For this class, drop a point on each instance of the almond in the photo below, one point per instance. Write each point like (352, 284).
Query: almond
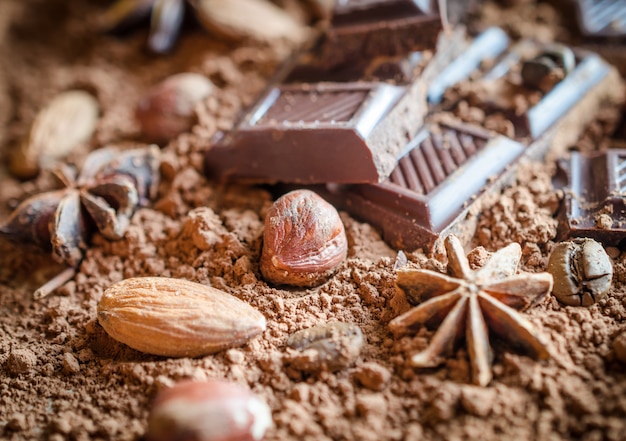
(304, 240)
(175, 317)
(208, 411)
(67, 121)
(258, 20)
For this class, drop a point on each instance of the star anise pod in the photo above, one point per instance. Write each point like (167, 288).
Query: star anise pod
(472, 303)
(103, 196)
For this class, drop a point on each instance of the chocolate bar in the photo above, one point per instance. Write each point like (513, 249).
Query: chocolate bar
(488, 45)
(370, 28)
(588, 72)
(327, 132)
(557, 109)
(441, 173)
(594, 196)
(601, 18)
(348, 131)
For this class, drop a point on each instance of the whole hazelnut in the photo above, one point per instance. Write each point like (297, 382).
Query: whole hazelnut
(167, 110)
(304, 240)
(212, 410)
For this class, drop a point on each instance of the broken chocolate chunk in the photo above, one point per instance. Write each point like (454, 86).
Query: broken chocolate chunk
(362, 29)
(327, 132)
(601, 18)
(441, 172)
(594, 196)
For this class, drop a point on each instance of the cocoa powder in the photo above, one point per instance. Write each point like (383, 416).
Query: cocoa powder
(63, 377)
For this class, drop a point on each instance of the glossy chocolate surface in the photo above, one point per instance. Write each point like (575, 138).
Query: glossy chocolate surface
(445, 167)
(369, 28)
(595, 195)
(329, 132)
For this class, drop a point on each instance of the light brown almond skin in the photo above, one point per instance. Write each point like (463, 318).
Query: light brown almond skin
(175, 317)
(304, 241)
(64, 123)
(213, 410)
(259, 20)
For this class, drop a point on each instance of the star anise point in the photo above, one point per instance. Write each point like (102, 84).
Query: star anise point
(473, 303)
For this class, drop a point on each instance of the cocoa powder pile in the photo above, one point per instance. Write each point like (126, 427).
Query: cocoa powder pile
(63, 377)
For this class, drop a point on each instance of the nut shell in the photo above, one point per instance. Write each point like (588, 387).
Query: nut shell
(208, 411)
(168, 108)
(175, 317)
(304, 240)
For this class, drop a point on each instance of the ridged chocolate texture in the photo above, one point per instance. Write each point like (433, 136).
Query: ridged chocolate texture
(445, 167)
(602, 18)
(327, 132)
(595, 191)
(367, 29)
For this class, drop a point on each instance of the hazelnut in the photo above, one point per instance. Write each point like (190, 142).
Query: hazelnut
(208, 411)
(304, 240)
(168, 108)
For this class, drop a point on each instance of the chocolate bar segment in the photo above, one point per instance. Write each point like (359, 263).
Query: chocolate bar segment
(540, 95)
(443, 170)
(488, 45)
(327, 132)
(601, 18)
(595, 194)
(362, 29)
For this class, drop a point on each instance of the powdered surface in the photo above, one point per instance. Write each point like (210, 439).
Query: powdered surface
(63, 377)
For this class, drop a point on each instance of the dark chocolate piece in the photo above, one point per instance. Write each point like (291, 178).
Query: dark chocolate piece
(399, 70)
(498, 90)
(328, 132)
(362, 29)
(488, 45)
(443, 170)
(601, 18)
(595, 194)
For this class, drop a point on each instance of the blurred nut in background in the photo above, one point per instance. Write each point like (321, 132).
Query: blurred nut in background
(168, 108)
(208, 411)
(67, 121)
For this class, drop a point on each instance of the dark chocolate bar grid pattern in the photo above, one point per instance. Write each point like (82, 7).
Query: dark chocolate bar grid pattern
(437, 157)
(595, 197)
(446, 167)
(602, 18)
(308, 107)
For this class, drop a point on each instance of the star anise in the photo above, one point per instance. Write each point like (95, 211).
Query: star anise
(103, 196)
(473, 303)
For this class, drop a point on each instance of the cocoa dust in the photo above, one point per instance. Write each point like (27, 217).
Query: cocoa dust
(62, 377)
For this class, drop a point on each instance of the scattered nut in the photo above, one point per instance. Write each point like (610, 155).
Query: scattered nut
(582, 272)
(248, 19)
(67, 121)
(208, 411)
(304, 240)
(168, 108)
(334, 346)
(175, 317)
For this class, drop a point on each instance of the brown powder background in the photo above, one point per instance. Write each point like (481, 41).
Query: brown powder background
(63, 377)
